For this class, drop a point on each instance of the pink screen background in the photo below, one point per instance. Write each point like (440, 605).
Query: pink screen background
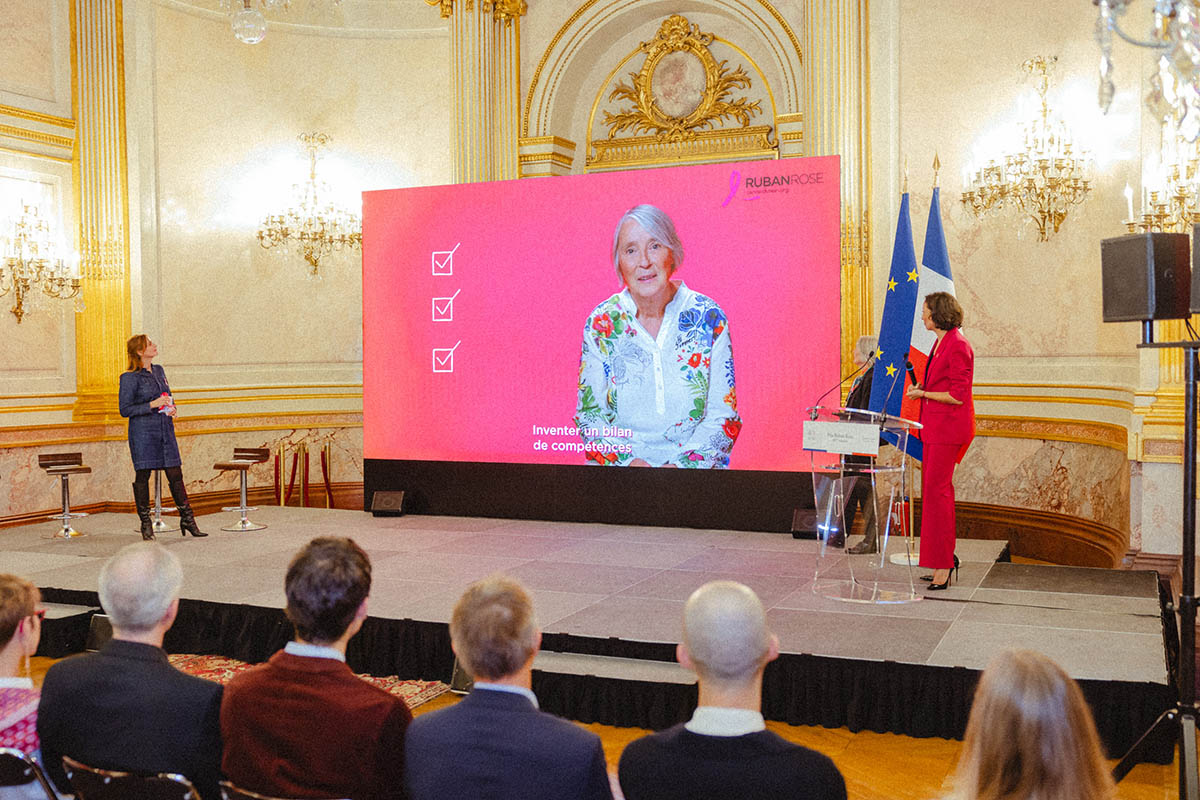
(533, 259)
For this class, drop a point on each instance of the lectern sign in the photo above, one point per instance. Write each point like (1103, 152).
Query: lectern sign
(843, 438)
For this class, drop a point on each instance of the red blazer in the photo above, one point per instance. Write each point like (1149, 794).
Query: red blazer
(951, 368)
(309, 727)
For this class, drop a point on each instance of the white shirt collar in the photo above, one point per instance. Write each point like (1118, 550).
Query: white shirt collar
(504, 687)
(716, 721)
(16, 683)
(313, 651)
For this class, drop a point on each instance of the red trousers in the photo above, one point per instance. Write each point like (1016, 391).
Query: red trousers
(937, 505)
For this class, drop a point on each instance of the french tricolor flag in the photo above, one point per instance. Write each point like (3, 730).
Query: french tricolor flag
(934, 277)
(902, 333)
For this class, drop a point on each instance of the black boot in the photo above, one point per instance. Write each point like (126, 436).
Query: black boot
(187, 520)
(141, 499)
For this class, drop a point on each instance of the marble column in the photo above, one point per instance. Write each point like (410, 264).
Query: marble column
(834, 121)
(103, 326)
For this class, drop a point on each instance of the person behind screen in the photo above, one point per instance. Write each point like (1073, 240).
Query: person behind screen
(145, 398)
(1030, 736)
(656, 385)
(861, 495)
(948, 425)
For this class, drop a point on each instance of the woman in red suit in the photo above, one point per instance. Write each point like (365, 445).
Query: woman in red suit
(948, 420)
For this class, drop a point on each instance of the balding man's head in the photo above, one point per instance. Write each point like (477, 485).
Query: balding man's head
(725, 633)
(138, 586)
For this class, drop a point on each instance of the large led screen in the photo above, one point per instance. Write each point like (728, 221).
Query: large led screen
(680, 317)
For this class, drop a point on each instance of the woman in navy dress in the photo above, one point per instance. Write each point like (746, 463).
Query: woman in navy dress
(145, 398)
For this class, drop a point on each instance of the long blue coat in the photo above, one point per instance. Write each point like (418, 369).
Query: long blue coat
(151, 434)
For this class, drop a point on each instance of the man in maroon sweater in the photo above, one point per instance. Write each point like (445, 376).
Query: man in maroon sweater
(302, 725)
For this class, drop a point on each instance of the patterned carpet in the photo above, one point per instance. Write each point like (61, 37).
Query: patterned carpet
(222, 669)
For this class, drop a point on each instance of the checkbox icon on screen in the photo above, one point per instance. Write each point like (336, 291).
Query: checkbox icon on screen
(443, 308)
(443, 261)
(443, 358)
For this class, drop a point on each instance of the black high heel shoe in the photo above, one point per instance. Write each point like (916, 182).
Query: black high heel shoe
(929, 578)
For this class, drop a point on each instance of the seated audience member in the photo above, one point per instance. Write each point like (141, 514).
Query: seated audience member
(126, 707)
(303, 724)
(725, 750)
(20, 631)
(1030, 736)
(495, 743)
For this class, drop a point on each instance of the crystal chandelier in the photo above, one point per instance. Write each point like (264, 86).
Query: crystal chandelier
(247, 20)
(1174, 93)
(1042, 177)
(317, 227)
(1171, 195)
(28, 262)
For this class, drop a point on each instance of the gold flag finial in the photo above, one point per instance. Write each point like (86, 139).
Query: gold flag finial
(937, 165)
(905, 189)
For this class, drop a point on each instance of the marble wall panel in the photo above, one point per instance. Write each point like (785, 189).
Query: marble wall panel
(1079, 480)
(226, 117)
(26, 488)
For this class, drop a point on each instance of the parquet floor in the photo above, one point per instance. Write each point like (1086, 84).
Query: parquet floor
(877, 766)
(884, 766)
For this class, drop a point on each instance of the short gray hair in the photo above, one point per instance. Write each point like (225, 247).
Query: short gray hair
(865, 346)
(493, 628)
(138, 585)
(656, 223)
(725, 632)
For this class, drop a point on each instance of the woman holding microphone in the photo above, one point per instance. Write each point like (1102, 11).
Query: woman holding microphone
(948, 426)
(145, 398)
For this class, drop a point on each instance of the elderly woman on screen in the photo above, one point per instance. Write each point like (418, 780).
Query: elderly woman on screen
(656, 385)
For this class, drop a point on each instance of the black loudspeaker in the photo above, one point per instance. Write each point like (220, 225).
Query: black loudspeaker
(387, 504)
(460, 681)
(1146, 276)
(99, 632)
(1194, 304)
(804, 523)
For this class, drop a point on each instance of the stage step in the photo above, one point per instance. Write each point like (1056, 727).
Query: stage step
(624, 669)
(65, 629)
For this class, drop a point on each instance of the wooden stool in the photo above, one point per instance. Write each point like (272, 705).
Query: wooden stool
(63, 466)
(243, 459)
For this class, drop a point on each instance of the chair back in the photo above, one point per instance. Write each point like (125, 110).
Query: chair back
(60, 460)
(91, 783)
(18, 769)
(231, 792)
(255, 454)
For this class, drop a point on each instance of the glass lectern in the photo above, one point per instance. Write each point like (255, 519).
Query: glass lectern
(862, 511)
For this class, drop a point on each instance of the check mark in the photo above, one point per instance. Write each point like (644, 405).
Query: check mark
(443, 308)
(443, 358)
(443, 261)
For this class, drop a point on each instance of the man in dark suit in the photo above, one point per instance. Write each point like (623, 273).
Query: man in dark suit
(126, 708)
(495, 743)
(725, 752)
(269, 712)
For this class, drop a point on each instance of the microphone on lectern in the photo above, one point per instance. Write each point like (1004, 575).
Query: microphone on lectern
(812, 414)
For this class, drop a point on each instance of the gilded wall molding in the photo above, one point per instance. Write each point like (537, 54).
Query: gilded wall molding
(1099, 434)
(682, 121)
(60, 142)
(36, 116)
(503, 10)
(101, 181)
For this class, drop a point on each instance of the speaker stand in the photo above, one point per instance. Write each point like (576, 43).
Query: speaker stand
(1180, 721)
